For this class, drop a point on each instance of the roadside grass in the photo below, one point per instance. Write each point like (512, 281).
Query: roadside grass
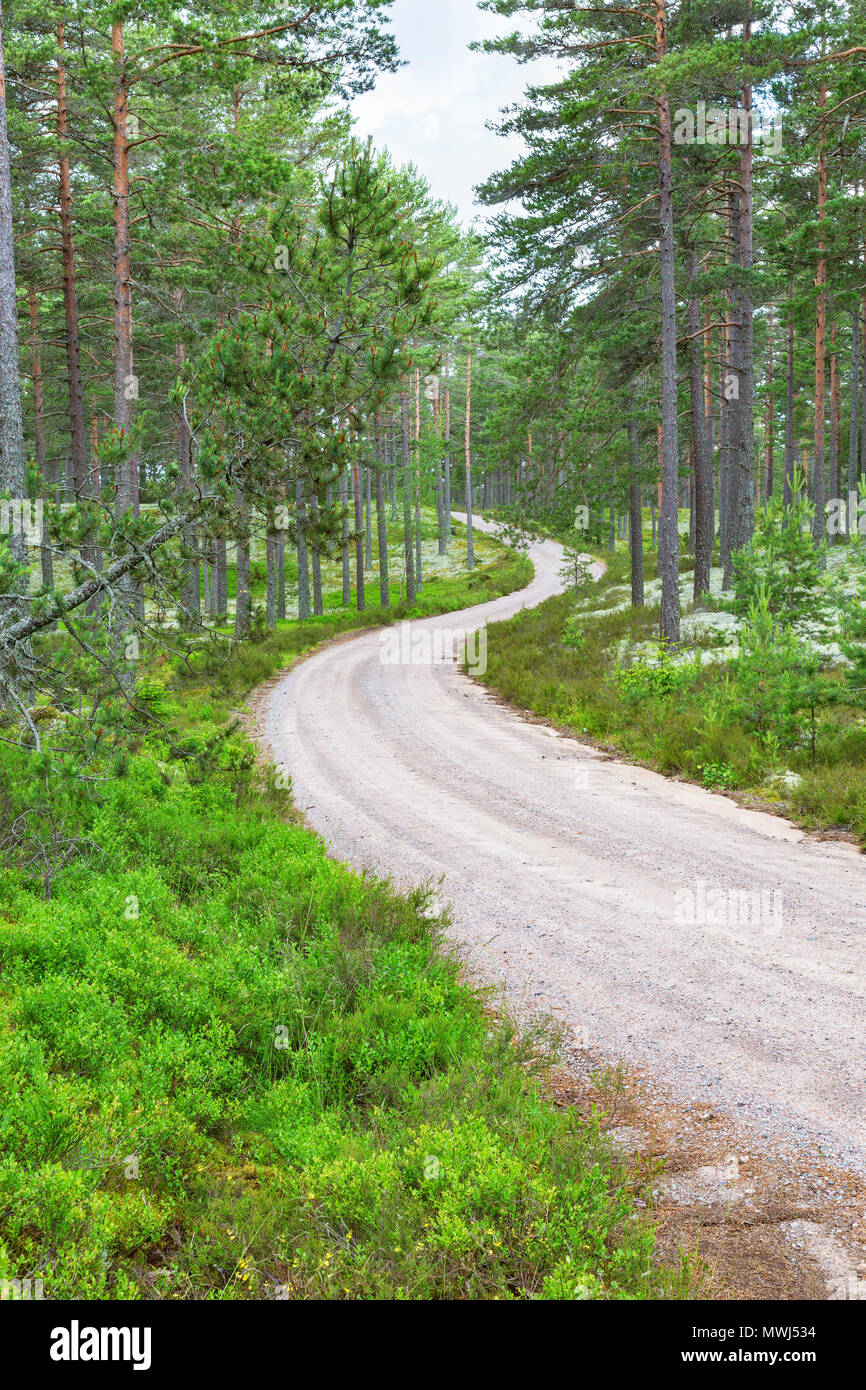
(688, 730)
(232, 1068)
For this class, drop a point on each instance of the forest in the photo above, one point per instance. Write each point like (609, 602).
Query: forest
(264, 394)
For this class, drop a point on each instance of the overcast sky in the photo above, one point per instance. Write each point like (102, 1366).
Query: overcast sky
(433, 112)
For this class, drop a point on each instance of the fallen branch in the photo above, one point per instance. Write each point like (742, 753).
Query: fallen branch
(25, 628)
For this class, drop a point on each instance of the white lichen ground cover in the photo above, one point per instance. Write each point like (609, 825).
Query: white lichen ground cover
(710, 629)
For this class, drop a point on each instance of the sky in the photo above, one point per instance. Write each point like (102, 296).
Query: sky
(433, 112)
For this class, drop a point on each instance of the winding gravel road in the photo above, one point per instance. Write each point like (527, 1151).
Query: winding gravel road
(594, 888)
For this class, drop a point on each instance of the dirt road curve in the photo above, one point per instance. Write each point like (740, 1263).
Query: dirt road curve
(576, 880)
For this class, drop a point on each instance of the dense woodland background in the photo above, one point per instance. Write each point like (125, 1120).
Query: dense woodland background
(221, 296)
(248, 369)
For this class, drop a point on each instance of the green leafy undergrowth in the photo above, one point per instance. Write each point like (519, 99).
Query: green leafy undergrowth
(231, 1068)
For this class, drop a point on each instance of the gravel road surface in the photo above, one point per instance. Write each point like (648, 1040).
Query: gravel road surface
(619, 900)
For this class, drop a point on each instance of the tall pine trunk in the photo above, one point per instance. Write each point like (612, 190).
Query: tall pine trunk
(790, 452)
(78, 443)
(344, 544)
(408, 557)
(854, 392)
(271, 545)
(304, 607)
(318, 604)
(222, 576)
(669, 544)
(470, 543)
(771, 410)
(124, 386)
(635, 515)
(447, 441)
(126, 483)
(819, 521)
(191, 588)
(835, 488)
(359, 537)
(281, 575)
(45, 484)
(708, 388)
(391, 445)
(382, 522)
(416, 482)
(11, 419)
(243, 594)
(439, 466)
(741, 495)
(862, 469)
(703, 463)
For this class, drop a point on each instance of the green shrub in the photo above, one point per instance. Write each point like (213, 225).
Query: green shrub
(648, 678)
(230, 1066)
(781, 562)
(717, 776)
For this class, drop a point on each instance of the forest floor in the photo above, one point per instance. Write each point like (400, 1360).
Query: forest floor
(232, 1068)
(727, 1056)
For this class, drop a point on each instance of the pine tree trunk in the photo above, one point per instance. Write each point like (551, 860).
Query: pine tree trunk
(439, 466)
(281, 576)
(835, 485)
(368, 517)
(470, 544)
(304, 609)
(447, 483)
(669, 546)
(724, 434)
(416, 484)
(703, 462)
(124, 386)
(382, 523)
(344, 549)
(11, 419)
(359, 537)
(391, 444)
(191, 588)
(419, 573)
(318, 605)
(790, 451)
(854, 423)
(862, 472)
(440, 509)
(206, 574)
(819, 521)
(741, 501)
(635, 529)
(78, 442)
(708, 389)
(45, 485)
(771, 409)
(271, 541)
(243, 595)
(222, 577)
(408, 557)
(127, 481)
